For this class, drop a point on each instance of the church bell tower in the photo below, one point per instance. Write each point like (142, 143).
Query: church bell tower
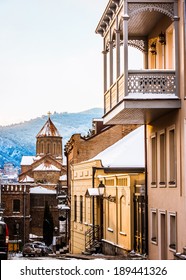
(49, 141)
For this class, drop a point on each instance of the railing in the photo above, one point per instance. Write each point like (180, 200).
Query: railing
(141, 82)
(92, 237)
(13, 187)
(115, 94)
(159, 82)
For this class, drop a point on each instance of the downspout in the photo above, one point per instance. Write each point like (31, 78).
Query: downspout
(69, 199)
(24, 213)
(68, 217)
(146, 191)
(93, 185)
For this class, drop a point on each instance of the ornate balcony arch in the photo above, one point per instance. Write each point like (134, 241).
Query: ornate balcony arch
(165, 8)
(139, 44)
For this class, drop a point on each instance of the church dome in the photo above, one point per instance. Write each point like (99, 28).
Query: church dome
(49, 141)
(48, 129)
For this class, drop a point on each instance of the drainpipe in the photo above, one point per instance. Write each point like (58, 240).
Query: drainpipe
(93, 185)
(146, 190)
(24, 213)
(68, 231)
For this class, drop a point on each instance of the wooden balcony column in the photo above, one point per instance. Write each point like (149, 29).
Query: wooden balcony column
(145, 53)
(125, 46)
(111, 61)
(117, 53)
(117, 49)
(104, 52)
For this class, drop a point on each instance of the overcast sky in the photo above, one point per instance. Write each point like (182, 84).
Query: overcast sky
(50, 57)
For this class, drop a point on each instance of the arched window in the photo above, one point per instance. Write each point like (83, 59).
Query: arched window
(54, 148)
(75, 208)
(81, 209)
(122, 213)
(42, 148)
(48, 148)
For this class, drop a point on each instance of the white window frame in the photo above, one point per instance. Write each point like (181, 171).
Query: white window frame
(153, 161)
(162, 160)
(154, 226)
(171, 164)
(172, 238)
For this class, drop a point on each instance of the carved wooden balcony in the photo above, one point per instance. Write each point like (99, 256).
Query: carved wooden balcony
(149, 93)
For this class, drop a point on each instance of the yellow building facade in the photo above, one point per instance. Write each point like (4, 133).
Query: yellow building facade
(104, 219)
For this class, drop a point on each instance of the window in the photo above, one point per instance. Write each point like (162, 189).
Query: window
(162, 237)
(122, 212)
(172, 231)
(75, 208)
(154, 160)
(109, 182)
(162, 163)
(42, 148)
(172, 157)
(154, 226)
(81, 209)
(86, 209)
(16, 205)
(54, 151)
(48, 148)
(123, 181)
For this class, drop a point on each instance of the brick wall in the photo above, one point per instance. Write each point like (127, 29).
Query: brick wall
(37, 206)
(16, 200)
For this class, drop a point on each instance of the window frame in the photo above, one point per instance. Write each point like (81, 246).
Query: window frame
(172, 237)
(172, 155)
(154, 160)
(154, 226)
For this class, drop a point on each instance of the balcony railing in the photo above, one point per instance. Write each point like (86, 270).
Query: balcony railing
(148, 82)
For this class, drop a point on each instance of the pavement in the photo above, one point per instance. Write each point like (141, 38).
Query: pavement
(101, 256)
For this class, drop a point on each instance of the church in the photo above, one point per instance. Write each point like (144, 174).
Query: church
(42, 178)
(46, 167)
(46, 175)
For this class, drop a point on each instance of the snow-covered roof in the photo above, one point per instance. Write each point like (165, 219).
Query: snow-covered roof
(27, 179)
(27, 160)
(48, 129)
(63, 177)
(128, 152)
(41, 190)
(63, 207)
(46, 167)
(92, 192)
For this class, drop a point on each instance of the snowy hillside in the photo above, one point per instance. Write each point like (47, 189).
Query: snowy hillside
(20, 139)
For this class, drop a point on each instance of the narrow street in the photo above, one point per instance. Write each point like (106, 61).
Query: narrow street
(19, 256)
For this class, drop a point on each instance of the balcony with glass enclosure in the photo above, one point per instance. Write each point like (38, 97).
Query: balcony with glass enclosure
(131, 30)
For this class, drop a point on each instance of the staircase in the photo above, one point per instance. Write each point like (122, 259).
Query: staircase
(93, 240)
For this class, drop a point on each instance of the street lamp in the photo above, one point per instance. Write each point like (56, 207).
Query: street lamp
(153, 48)
(161, 38)
(101, 189)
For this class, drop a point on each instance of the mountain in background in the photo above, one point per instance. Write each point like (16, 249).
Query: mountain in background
(20, 139)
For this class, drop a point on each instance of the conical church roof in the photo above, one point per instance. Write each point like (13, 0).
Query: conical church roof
(48, 129)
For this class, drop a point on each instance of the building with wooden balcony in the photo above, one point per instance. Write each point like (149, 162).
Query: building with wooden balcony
(154, 96)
